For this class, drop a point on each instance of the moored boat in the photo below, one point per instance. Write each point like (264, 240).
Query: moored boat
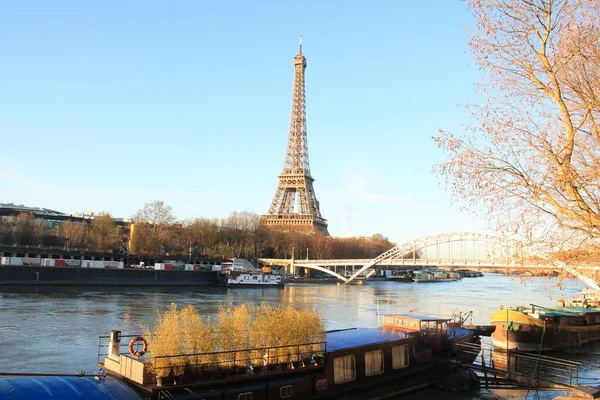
(65, 275)
(255, 279)
(423, 276)
(435, 276)
(407, 353)
(400, 276)
(469, 273)
(538, 328)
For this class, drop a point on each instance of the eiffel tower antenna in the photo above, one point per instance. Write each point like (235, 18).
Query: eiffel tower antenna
(294, 205)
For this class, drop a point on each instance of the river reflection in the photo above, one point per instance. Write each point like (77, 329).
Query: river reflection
(55, 329)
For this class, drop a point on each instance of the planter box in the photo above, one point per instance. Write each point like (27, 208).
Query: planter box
(129, 368)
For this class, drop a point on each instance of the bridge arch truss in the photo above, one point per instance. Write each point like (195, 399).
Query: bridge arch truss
(505, 251)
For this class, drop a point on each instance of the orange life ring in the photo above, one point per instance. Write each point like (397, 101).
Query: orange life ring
(132, 343)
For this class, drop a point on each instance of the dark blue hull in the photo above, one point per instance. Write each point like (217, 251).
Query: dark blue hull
(36, 275)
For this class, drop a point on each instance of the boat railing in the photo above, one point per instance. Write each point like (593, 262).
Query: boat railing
(224, 364)
(531, 368)
(232, 364)
(103, 349)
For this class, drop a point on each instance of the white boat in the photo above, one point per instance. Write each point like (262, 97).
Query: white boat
(255, 279)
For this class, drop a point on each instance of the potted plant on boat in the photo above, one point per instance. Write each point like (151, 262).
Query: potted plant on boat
(164, 344)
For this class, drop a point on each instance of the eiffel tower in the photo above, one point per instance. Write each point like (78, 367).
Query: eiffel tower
(295, 206)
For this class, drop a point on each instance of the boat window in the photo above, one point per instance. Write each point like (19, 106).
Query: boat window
(373, 362)
(322, 384)
(255, 277)
(245, 396)
(286, 391)
(344, 369)
(432, 327)
(400, 356)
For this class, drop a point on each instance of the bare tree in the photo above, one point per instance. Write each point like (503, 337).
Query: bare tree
(153, 223)
(531, 158)
(74, 234)
(7, 227)
(203, 233)
(39, 229)
(25, 229)
(104, 232)
(238, 230)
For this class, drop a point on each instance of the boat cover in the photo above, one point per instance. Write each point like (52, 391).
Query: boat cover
(349, 338)
(65, 388)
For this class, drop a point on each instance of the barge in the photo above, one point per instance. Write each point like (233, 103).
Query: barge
(408, 353)
(41, 275)
(538, 328)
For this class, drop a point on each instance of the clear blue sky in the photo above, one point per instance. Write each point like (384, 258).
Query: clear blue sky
(107, 105)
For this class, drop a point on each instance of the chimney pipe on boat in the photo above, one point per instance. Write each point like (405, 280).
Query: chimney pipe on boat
(114, 344)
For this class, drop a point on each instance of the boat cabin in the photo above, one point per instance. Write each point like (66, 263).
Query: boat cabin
(255, 279)
(430, 330)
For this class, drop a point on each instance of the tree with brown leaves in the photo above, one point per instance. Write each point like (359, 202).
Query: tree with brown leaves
(530, 160)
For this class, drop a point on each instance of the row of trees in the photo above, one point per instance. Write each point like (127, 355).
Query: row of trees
(239, 235)
(155, 231)
(99, 234)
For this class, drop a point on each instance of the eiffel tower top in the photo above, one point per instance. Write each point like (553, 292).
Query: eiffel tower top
(295, 205)
(299, 59)
(296, 159)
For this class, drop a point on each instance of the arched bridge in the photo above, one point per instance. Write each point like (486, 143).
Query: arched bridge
(444, 250)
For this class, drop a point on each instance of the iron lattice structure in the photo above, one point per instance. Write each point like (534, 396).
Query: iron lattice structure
(295, 204)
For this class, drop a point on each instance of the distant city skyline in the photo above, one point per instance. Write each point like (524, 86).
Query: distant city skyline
(106, 107)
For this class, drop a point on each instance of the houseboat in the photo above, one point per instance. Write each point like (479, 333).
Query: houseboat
(399, 276)
(469, 273)
(435, 276)
(538, 328)
(255, 279)
(406, 354)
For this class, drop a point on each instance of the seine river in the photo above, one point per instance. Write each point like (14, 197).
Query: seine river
(56, 329)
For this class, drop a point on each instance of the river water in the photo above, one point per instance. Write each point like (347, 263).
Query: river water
(56, 329)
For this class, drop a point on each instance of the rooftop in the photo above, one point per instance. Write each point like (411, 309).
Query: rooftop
(351, 338)
(35, 210)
